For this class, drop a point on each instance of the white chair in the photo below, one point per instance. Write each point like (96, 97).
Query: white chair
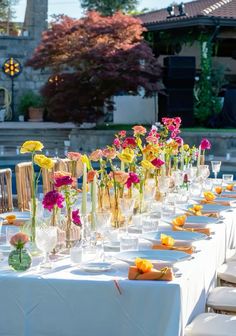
(211, 324)
(227, 274)
(222, 300)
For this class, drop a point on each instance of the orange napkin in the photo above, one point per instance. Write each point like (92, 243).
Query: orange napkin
(206, 231)
(226, 203)
(186, 249)
(165, 274)
(229, 195)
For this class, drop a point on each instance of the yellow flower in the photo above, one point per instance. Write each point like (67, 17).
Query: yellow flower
(186, 147)
(43, 161)
(127, 155)
(151, 149)
(179, 221)
(167, 240)
(147, 165)
(143, 265)
(209, 196)
(31, 146)
(85, 159)
(196, 209)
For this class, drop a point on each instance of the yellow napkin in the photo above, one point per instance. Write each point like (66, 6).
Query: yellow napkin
(165, 274)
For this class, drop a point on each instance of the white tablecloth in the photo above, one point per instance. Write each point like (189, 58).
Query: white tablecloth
(69, 302)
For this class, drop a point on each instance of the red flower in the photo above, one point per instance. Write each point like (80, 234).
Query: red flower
(76, 218)
(129, 142)
(205, 144)
(133, 178)
(51, 199)
(157, 163)
(63, 181)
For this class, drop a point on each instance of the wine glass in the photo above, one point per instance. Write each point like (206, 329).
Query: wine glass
(46, 241)
(127, 209)
(149, 193)
(215, 165)
(102, 227)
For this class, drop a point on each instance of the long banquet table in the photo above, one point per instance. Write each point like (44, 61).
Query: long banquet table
(67, 301)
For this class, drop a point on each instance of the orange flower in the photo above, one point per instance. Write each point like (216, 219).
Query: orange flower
(218, 190)
(230, 187)
(91, 174)
(143, 265)
(19, 240)
(74, 156)
(119, 176)
(196, 209)
(96, 155)
(179, 221)
(167, 240)
(109, 153)
(10, 219)
(209, 196)
(139, 130)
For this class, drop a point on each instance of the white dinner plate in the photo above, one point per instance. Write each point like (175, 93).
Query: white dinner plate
(180, 237)
(212, 208)
(200, 221)
(229, 194)
(96, 266)
(157, 257)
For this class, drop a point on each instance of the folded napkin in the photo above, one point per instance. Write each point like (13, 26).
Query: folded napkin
(186, 249)
(228, 195)
(165, 274)
(221, 202)
(206, 231)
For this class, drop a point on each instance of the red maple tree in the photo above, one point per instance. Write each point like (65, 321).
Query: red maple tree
(94, 58)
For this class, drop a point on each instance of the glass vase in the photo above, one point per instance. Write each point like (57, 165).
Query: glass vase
(19, 259)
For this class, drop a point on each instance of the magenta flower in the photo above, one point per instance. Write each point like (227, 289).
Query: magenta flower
(178, 120)
(116, 142)
(76, 218)
(157, 163)
(51, 199)
(129, 142)
(63, 181)
(205, 144)
(179, 140)
(132, 179)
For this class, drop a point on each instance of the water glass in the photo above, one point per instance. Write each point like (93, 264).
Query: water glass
(137, 221)
(195, 189)
(227, 178)
(215, 165)
(168, 208)
(129, 243)
(149, 223)
(46, 241)
(76, 254)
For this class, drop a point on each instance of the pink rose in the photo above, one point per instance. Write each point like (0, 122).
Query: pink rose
(63, 181)
(119, 176)
(19, 240)
(152, 139)
(109, 153)
(122, 134)
(76, 217)
(96, 155)
(179, 140)
(117, 143)
(139, 130)
(205, 144)
(51, 199)
(74, 156)
(132, 179)
(178, 120)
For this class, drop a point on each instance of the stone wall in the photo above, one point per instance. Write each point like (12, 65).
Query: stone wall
(22, 47)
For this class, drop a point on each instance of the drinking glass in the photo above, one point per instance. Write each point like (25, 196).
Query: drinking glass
(215, 165)
(227, 178)
(46, 241)
(127, 209)
(129, 243)
(195, 189)
(102, 222)
(149, 192)
(149, 223)
(203, 171)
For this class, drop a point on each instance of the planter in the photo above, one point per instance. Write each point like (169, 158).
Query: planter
(36, 114)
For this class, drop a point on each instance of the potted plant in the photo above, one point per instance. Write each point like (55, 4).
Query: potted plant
(32, 105)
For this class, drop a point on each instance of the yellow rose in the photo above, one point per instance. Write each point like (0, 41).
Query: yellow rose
(143, 265)
(147, 164)
(209, 196)
(186, 147)
(31, 146)
(167, 240)
(43, 161)
(127, 155)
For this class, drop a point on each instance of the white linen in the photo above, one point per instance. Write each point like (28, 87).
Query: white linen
(67, 301)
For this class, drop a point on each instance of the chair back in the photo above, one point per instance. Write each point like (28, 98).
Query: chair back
(6, 203)
(24, 180)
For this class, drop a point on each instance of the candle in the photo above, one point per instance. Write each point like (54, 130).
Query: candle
(94, 194)
(84, 190)
(182, 156)
(199, 156)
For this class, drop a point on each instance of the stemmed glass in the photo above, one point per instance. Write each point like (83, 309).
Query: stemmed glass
(215, 165)
(46, 241)
(102, 227)
(149, 193)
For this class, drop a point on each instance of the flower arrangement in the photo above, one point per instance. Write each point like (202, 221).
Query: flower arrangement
(32, 147)
(19, 259)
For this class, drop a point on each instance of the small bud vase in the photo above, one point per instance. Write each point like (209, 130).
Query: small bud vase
(19, 259)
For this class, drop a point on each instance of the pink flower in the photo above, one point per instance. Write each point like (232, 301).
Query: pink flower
(76, 218)
(122, 134)
(157, 163)
(171, 128)
(96, 155)
(152, 139)
(139, 130)
(174, 133)
(178, 120)
(205, 144)
(109, 153)
(179, 140)
(117, 143)
(51, 199)
(119, 176)
(74, 156)
(133, 178)
(63, 181)
(129, 142)
(19, 240)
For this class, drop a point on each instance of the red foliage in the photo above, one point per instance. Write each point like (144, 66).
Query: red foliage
(96, 57)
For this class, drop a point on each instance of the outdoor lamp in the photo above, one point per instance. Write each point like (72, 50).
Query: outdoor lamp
(171, 10)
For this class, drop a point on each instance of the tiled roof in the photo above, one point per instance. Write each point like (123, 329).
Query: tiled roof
(198, 8)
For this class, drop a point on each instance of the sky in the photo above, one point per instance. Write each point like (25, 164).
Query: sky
(72, 7)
